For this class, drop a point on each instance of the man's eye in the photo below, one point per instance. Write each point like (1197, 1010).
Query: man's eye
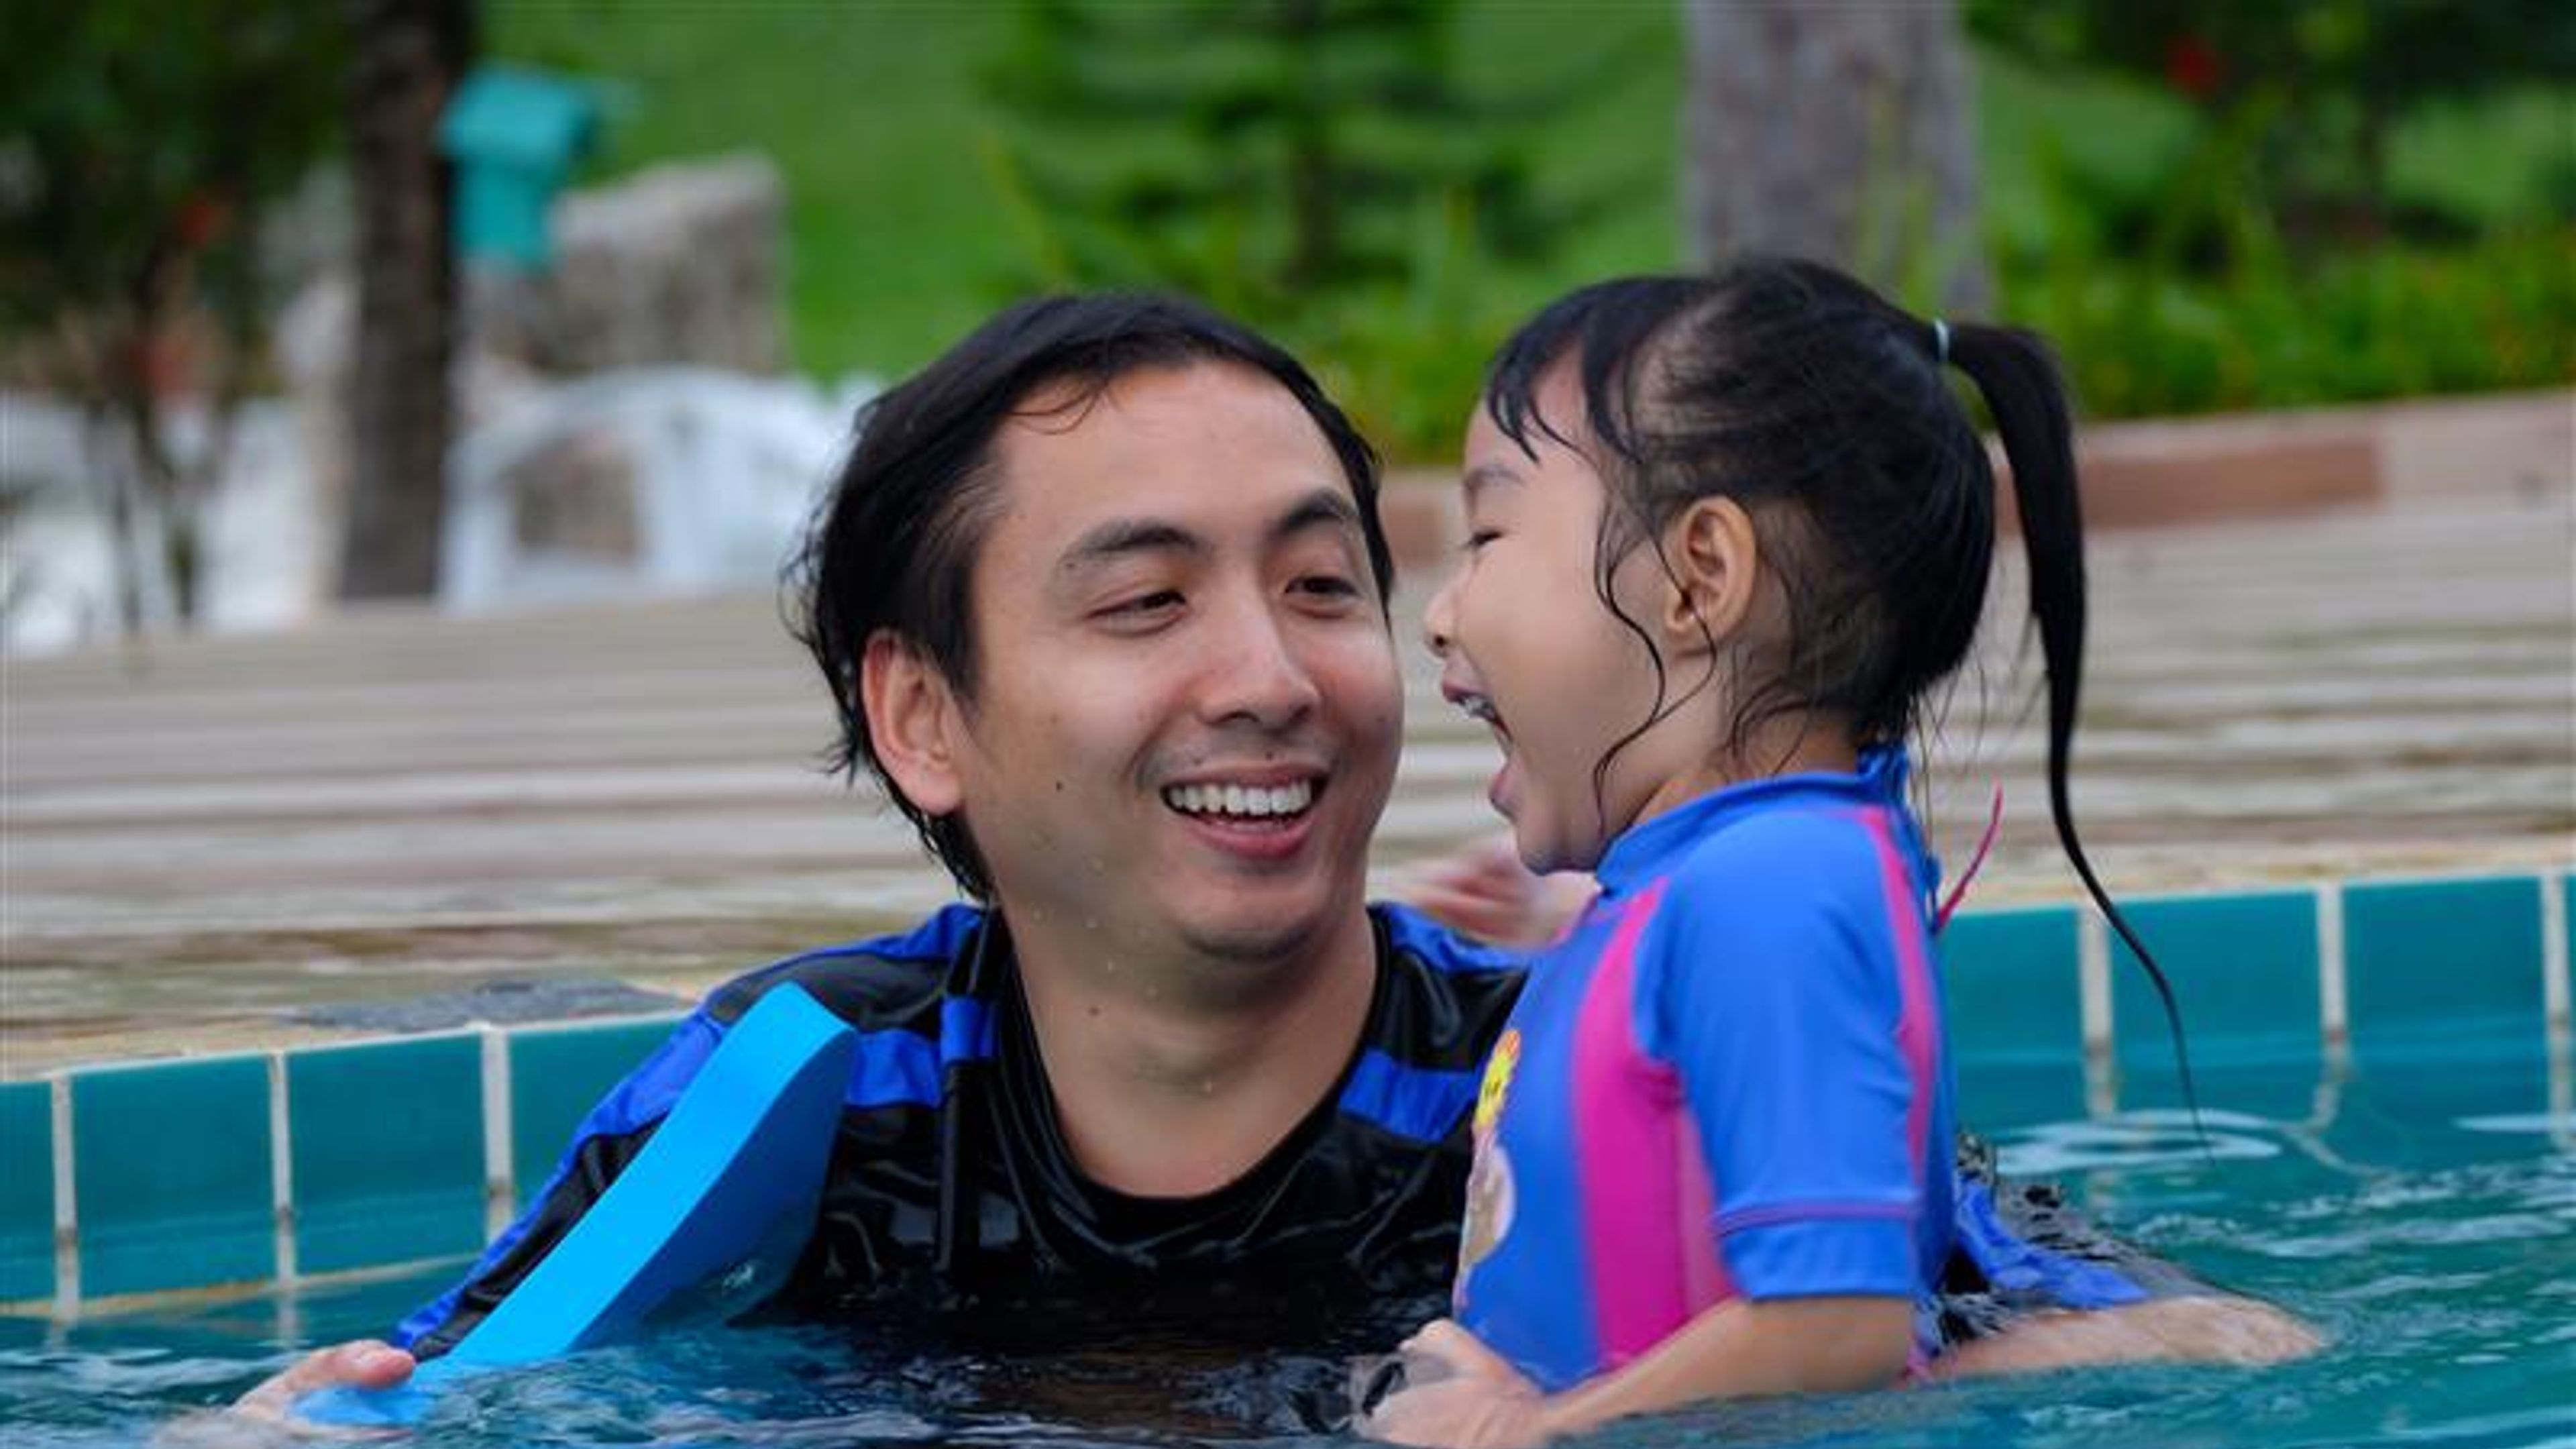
(1328, 586)
(1143, 605)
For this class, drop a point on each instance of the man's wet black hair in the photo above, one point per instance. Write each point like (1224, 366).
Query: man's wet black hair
(1822, 408)
(895, 545)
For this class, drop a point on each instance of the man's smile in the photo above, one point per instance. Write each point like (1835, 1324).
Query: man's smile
(1244, 801)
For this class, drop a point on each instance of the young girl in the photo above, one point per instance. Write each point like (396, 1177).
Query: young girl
(1725, 536)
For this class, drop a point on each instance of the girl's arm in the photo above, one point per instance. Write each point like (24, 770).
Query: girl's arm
(1473, 1399)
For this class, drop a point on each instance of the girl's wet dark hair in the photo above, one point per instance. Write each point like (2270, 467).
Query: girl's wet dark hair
(1822, 408)
(895, 544)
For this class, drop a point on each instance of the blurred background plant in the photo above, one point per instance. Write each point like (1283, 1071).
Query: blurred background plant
(142, 153)
(2260, 206)
(2209, 206)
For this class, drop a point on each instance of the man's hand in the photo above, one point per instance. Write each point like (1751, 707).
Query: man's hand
(366, 1364)
(265, 1418)
(1457, 1394)
(1482, 890)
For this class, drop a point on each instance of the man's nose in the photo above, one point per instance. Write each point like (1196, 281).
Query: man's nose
(1259, 672)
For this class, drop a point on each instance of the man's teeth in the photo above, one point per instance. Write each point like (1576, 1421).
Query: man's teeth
(1252, 801)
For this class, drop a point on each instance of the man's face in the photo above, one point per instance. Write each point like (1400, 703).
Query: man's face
(1186, 705)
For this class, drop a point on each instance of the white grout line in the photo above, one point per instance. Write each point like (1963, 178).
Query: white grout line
(500, 1198)
(2553, 959)
(281, 1167)
(67, 1284)
(2093, 992)
(2555, 1010)
(2334, 999)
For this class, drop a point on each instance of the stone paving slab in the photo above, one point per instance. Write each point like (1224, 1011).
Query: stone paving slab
(199, 837)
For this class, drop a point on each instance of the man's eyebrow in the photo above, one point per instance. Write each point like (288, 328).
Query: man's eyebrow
(1121, 537)
(1323, 508)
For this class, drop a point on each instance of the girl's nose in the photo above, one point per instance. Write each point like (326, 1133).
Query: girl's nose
(1440, 618)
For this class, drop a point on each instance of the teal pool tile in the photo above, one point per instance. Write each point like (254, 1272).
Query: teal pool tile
(2013, 994)
(1998, 1095)
(2434, 964)
(172, 1176)
(557, 1074)
(26, 1190)
(387, 1142)
(2244, 975)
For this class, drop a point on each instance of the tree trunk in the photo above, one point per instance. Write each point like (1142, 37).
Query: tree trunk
(1843, 132)
(406, 59)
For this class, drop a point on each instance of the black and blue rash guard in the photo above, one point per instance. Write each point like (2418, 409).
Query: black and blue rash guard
(952, 1205)
(950, 1183)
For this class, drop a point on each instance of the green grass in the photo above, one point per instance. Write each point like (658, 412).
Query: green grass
(898, 239)
(903, 229)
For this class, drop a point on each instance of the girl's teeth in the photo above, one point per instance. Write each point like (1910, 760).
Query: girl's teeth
(1245, 801)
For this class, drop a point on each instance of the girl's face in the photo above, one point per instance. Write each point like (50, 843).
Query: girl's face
(1530, 649)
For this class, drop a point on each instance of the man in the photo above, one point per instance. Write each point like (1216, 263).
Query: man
(1102, 602)
(1101, 599)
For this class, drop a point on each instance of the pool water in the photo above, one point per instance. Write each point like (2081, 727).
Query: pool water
(2422, 1213)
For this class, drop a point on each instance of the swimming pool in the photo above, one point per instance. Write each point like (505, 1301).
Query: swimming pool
(2390, 1152)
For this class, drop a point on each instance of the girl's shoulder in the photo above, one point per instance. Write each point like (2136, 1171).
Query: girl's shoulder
(1814, 853)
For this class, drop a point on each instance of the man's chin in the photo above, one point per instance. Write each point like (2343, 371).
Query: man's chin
(1271, 928)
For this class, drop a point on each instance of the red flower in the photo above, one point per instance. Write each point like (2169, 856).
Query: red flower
(202, 218)
(2191, 66)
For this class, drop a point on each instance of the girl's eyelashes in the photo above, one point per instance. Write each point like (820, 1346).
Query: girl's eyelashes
(1477, 538)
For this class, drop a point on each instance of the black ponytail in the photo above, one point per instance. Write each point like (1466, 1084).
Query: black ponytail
(2013, 370)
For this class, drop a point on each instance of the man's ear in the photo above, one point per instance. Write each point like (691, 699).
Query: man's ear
(1715, 558)
(914, 720)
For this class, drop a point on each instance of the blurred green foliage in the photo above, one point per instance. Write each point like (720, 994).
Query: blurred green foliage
(140, 145)
(1318, 168)
(1256, 153)
(2147, 228)
(2207, 204)
(2300, 100)
(2311, 202)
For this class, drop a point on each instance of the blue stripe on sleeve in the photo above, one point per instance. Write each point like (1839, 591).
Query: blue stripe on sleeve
(1414, 934)
(894, 1068)
(1423, 1103)
(965, 1030)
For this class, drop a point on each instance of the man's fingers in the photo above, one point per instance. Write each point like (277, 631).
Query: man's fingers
(365, 1364)
(1458, 1353)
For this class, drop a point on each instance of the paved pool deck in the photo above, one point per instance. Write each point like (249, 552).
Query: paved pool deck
(202, 841)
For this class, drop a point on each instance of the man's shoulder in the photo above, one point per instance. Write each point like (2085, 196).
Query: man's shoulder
(880, 982)
(1416, 941)
(1444, 997)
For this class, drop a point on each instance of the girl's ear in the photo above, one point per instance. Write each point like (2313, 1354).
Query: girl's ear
(915, 722)
(1715, 560)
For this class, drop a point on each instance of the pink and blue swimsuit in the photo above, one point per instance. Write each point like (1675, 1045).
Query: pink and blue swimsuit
(1726, 1082)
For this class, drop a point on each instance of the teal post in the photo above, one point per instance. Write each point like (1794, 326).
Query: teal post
(514, 136)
